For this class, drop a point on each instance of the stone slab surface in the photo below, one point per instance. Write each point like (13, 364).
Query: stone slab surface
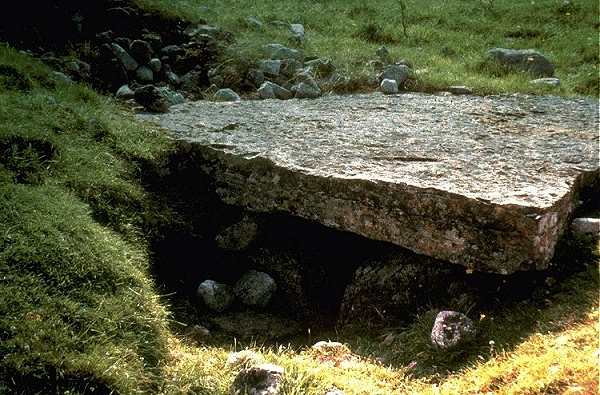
(488, 182)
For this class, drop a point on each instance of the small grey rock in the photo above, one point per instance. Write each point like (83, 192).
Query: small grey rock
(389, 87)
(460, 90)
(226, 95)
(305, 91)
(270, 90)
(262, 379)
(550, 81)
(335, 391)
(271, 68)
(141, 51)
(155, 65)
(586, 226)
(144, 74)
(289, 67)
(173, 98)
(125, 93)
(216, 296)
(254, 23)
(172, 50)
(397, 72)
(255, 288)
(452, 329)
(128, 62)
(151, 98)
(62, 78)
(279, 52)
(202, 29)
(523, 59)
(320, 67)
(297, 30)
(192, 81)
(172, 78)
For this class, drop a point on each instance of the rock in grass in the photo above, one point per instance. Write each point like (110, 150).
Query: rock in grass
(244, 359)
(586, 226)
(254, 23)
(270, 90)
(151, 98)
(262, 379)
(62, 78)
(125, 93)
(128, 62)
(550, 81)
(297, 30)
(452, 329)
(255, 288)
(459, 90)
(523, 59)
(397, 72)
(389, 87)
(214, 295)
(280, 52)
(270, 67)
(227, 95)
(383, 54)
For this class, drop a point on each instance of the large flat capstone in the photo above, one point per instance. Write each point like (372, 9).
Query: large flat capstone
(488, 183)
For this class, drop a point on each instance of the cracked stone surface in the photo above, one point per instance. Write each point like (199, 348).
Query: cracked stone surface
(486, 182)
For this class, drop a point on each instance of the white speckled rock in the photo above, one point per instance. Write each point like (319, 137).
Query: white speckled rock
(451, 329)
(485, 182)
(389, 87)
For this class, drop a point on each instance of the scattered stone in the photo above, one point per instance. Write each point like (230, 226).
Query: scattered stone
(262, 379)
(172, 78)
(297, 30)
(305, 91)
(62, 78)
(523, 59)
(320, 67)
(125, 93)
(244, 359)
(155, 65)
(255, 288)
(289, 67)
(227, 95)
(550, 81)
(126, 60)
(172, 51)
(203, 29)
(173, 98)
(397, 72)
(239, 236)
(586, 226)
(389, 87)
(144, 74)
(254, 23)
(216, 296)
(335, 391)
(270, 90)
(460, 90)
(151, 98)
(307, 87)
(279, 52)
(383, 54)
(256, 77)
(280, 24)
(141, 51)
(154, 39)
(192, 81)
(437, 196)
(452, 329)
(270, 68)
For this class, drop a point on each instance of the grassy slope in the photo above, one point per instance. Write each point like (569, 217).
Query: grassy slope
(79, 310)
(77, 301)
(447, 40)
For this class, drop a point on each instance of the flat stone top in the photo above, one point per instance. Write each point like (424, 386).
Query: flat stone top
(516, 149)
